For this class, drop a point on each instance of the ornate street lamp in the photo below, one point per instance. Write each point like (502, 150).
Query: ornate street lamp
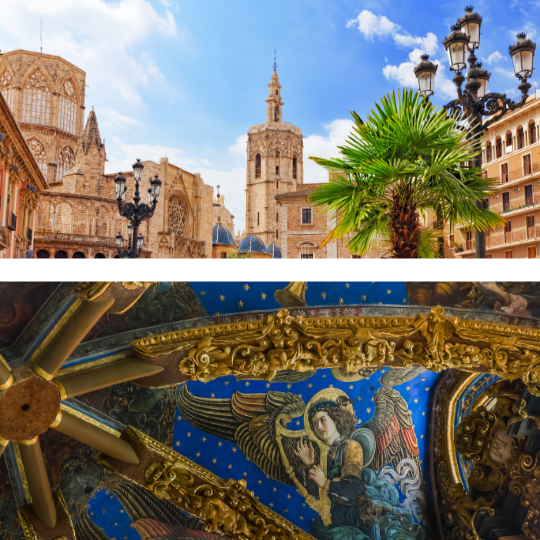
(128, 253)
(136, 212)
(474, 100)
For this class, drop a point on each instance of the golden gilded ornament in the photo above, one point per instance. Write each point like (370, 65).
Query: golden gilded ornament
(90, 290)
(282, 342)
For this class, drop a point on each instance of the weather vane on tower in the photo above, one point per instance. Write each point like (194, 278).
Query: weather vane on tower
(275, 59)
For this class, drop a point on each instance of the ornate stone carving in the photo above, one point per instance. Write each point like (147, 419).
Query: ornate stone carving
(282, 342)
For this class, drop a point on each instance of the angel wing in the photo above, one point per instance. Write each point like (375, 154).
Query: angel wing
(392, 426)
(247, 420)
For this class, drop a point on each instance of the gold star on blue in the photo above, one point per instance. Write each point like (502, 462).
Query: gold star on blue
(246, 287)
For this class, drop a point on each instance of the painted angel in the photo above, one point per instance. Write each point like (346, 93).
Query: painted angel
(333, 463)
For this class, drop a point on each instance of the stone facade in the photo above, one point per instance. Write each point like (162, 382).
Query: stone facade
(511, 154)
(78, 215)
(21, 181)
(274, 166)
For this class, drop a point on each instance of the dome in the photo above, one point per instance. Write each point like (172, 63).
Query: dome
(251, 244)
(222, 235)
(274, 250)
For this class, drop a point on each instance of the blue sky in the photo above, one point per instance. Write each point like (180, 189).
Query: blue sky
(186, 79)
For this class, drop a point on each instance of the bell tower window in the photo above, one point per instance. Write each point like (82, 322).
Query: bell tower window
(294, 167)
(258, 166)
(276, 114)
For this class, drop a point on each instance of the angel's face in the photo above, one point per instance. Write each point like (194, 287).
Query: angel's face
(325, 427)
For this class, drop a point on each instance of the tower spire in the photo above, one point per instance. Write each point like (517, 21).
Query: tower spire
(274, 113)
(275, 60)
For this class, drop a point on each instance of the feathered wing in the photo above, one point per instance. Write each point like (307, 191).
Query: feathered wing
(248, 420)
(393, 429)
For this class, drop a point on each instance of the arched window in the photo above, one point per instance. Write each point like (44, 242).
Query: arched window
(277, 217)
(39, 153)
(489, 152)
(78, 255)
(532, 132)
(277, 233)
(277, 161)
(67, 108)
(223, 255)
(520, 138)
(66, 160)
(177, 215)
(61, 255)
(258, 166)
(43, 215)
(294, 162)
(276, 92)
(36, 99)
(43, 254)
(498, 147)
(509, 146)
(6, 87)
(276, 114)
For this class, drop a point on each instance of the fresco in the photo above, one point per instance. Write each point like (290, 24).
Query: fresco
(19, 302)
(512, 298)
(357, 444)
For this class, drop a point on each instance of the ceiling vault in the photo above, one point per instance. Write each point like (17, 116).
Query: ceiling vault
(36, 393)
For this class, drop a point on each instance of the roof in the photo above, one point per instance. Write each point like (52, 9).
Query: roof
(307, 189)
(274, 250)
(251, 244)
(222, 235)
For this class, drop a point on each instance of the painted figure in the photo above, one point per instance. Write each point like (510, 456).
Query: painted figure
(338, 468)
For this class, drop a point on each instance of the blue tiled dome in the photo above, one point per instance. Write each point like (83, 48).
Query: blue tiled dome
(222, 235)
(251, 244)
(274, 250)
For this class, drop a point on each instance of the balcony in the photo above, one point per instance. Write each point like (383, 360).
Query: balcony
(522, 204)
(4, 234)
(501, 238)
(521, 173)
(48, 236)
(12, 223)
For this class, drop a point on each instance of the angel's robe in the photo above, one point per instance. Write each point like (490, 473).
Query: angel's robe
(344, 470)
(346, 479)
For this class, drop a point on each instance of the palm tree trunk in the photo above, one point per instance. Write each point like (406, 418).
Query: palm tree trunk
(404, 225)
(440, 240)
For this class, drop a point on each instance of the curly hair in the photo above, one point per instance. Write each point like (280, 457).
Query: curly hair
(343, 419)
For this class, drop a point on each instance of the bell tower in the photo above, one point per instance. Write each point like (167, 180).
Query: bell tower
(274, 166)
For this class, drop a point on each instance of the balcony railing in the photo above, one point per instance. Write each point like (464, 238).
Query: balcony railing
(517, 174)
(502, 238)
(12, 223)
(516, 204)
(78, 238)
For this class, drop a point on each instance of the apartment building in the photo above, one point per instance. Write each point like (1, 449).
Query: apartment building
(511, 153)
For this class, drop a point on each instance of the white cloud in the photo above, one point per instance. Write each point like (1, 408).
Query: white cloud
(240, 145)
(509, 73)
(113, 119)
(371, 25)
(494, 57)
(324, 146)
(103, 38)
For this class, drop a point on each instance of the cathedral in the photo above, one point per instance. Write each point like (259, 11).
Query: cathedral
(77, 213)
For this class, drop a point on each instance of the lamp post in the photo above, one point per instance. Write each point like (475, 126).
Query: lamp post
(474, 100)
(136, 212)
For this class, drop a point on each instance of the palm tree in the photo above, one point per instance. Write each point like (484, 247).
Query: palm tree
(407, 159)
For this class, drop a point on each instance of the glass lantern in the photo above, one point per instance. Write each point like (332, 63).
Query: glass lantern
(425, 73)
(456, 46)
(120, 186)
(522, 53)
(155, 186)
(469, 24)
(137, 170)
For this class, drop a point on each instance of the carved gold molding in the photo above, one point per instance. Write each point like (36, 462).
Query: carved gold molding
(226, 507)
(90, 290)
(282, 342)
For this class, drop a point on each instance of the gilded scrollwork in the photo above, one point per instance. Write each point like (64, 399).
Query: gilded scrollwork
(90, 290)
(283, 342)
(525, 484)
